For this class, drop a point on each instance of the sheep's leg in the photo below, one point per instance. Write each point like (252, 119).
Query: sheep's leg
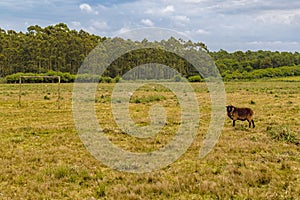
(233, 122)
(253, 123)
(249, 123)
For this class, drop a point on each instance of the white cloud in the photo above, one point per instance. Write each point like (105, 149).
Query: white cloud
(147, 22)
(86, 7)
(168, 9)
(272, 45)
(194, 1)
(158, 11)
(76, 24)
(182, 18)
(99, 25)
(121, 31)
(202, 32)
(280, 16)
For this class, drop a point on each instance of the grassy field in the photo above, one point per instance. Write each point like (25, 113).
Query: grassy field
(42, 156)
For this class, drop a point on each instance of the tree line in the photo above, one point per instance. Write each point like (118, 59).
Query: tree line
(239, 62)
(40, 50)
(58, 49)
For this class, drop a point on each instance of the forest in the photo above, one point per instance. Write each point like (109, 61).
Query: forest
(58, 50)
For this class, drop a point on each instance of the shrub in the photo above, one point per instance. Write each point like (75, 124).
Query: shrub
(86, 78)
(177, 78)
(65, 77)
(3, 80)
(262, 73)
(149, 99)
(196, 78)
(13, 78)
(105, 79)
(117, 79)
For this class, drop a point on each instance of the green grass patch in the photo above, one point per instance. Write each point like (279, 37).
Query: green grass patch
(286, 79)
(283, 133)
(147, 99)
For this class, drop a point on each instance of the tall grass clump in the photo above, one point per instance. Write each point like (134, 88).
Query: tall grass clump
(283, 133)
(149, 99)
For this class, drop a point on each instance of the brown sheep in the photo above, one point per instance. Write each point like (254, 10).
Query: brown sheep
(242, 114)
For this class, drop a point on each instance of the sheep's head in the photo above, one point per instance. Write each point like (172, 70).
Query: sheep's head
(229, 108)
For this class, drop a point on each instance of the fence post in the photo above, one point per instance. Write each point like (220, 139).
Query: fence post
(20, 90)
(58, 100)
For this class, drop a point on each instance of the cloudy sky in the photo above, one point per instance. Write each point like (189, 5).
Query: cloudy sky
(221, 24)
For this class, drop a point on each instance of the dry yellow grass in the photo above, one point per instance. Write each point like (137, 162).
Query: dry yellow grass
(42, 157)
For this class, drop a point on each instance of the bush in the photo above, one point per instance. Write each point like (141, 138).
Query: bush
(117, 79)
(196, 78)
(13, 78)
(149, 99)
(177, 78)
(87, 78)
(262, 73)
(65, 77)
(3, 80)
(105, 79)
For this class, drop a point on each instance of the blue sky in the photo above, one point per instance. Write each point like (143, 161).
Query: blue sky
(221, 24)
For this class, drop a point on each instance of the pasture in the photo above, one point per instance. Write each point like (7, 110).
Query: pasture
(42, 156)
